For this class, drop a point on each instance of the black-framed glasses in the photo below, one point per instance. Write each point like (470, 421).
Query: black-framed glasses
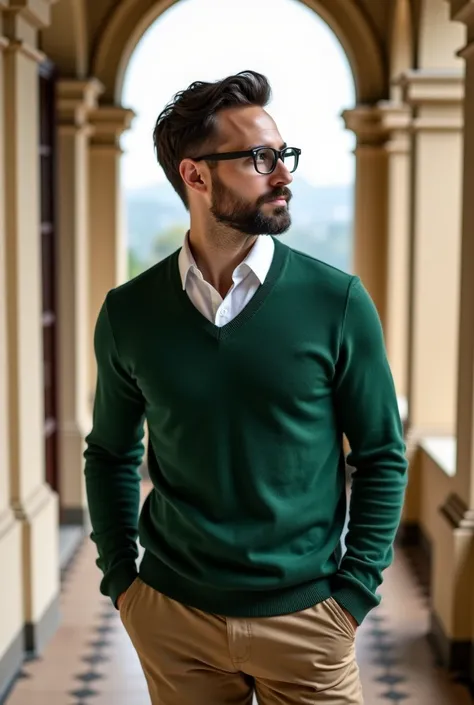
(265, 159)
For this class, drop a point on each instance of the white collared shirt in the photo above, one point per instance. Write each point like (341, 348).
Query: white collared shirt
(247, 278)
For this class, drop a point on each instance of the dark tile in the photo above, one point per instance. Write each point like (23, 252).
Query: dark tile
(379, 633)
(103, 629)
(89, 677)
(395, 696)
(386, 661)
(109, 614)
(391, 679)
(84, 693)
(384, 647)
(94, 659)
(99, 643)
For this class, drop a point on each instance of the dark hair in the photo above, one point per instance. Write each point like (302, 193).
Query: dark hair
(188, 123)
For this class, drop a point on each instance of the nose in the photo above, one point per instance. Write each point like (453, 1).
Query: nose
(281, 175)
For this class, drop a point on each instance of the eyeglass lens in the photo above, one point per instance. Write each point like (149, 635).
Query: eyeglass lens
(266, 160)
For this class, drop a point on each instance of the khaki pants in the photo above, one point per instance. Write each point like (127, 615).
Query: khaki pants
(190, 657)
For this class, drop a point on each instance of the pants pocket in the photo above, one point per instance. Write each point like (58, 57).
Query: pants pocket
(129, 596)
(341, 617)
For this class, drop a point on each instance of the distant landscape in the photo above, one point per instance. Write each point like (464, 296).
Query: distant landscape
(156, 222)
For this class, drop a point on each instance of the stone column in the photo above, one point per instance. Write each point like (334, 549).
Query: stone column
(453, 604)
(107, 246)
(34, 504)
(11, 604)
(370, 212)
(436, 98)
(396, 119)
(75, 100)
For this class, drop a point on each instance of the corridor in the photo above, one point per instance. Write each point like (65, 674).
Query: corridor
(90, 660)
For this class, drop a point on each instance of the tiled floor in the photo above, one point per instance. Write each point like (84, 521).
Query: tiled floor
(90, 661)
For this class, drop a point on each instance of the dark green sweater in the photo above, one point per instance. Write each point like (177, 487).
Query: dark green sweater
(246, 426)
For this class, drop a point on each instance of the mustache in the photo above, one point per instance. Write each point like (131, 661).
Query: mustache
(278, 193)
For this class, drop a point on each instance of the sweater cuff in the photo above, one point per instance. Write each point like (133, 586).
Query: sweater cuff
(354, 597)
(118, 579)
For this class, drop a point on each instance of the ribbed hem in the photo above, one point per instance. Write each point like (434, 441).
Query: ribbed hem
(232, 603)
(118, 580)
(357, 600)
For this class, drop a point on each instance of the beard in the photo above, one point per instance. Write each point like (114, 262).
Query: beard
(233, 211)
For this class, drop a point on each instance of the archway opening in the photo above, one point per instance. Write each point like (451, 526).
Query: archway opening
(312, 84)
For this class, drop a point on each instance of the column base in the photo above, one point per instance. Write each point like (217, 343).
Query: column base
(454, 655)
(10, 664)
(11, 604)
(38, 520)
(75, 516)
(410, 534)
(37, 634)
(72, 487)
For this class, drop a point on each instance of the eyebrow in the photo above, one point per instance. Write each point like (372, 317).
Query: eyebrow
(257, 146)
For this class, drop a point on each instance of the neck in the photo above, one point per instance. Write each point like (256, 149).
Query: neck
(218, 250)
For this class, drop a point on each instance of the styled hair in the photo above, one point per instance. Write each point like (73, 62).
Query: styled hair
(188, 124)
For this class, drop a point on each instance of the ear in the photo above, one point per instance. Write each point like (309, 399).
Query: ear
(195, 175)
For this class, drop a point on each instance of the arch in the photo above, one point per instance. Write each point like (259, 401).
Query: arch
(132, 18)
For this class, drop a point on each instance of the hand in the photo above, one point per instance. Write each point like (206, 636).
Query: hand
(120, 599)
(350, 618)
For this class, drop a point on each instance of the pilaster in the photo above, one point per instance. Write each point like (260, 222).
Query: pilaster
(11, 604)
(437, 127)
(75, 101)
(34, 504)
(396, 120)
(370, 208)
(107, 246)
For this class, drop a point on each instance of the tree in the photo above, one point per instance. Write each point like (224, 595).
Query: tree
(135, 265)
(167, 241)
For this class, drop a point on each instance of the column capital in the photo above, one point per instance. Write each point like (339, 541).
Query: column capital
(397, 119)
(438, 96)
(395, 115)
(367, 124)
(76, 100)
(463, 11)
(458, 514)
(109, 122)
(432, 87)
(36, 12)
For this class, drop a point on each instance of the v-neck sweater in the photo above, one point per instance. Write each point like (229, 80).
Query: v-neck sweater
(246, 421)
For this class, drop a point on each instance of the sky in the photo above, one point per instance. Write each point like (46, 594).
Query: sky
(207, 40)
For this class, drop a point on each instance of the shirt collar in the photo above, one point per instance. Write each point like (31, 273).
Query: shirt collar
(258, 260)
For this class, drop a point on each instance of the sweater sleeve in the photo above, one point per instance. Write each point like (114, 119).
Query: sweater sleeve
(114, 451)
(367, 411)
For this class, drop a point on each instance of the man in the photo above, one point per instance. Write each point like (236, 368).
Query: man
(249, 362)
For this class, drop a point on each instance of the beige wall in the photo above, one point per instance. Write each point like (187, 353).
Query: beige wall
(28, 508)
(11, 604)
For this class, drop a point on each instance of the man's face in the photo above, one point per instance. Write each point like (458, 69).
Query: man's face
(241, 197)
